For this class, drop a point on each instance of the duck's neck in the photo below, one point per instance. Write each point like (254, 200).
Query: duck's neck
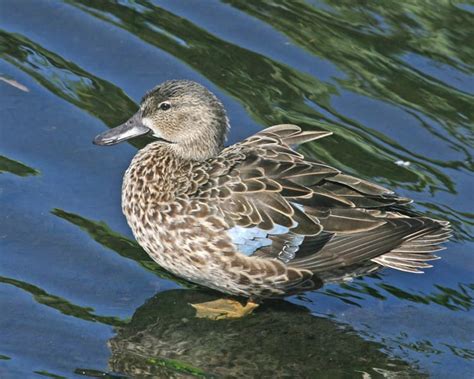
(197, 150)
(206, 137)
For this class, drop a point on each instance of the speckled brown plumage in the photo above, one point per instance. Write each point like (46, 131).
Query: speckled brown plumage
(194, 206)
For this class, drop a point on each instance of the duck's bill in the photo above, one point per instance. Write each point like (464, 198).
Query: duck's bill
(130, 129)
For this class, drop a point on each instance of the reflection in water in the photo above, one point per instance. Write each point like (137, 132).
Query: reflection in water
(455, 299)
(60, 304)
(461, 221)
(372, 56)
(15, 167)
(164, 338)
(279, 340)
(67, 80)
(125, 247)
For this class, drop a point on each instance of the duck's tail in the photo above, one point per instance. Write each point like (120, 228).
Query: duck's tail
(416, 250)
(402, 243)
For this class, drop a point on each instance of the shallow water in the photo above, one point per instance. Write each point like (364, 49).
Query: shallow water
(79, 297)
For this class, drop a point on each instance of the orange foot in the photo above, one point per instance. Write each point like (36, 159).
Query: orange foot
(223, 309)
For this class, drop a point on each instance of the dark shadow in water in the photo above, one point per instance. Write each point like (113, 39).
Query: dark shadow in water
(279, 340)
(15, 167)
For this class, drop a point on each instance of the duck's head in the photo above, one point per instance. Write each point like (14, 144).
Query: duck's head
(180, 113)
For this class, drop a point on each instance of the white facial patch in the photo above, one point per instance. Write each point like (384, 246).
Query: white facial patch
(148, 123)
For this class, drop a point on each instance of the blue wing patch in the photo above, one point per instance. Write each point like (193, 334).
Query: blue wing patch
(249, 240)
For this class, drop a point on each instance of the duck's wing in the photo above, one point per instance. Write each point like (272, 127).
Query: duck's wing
(279, 205)
(262, 182)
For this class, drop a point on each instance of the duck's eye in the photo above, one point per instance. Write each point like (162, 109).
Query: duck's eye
(164, 106)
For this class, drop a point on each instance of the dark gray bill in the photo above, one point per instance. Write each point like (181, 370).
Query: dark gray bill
(130, 129)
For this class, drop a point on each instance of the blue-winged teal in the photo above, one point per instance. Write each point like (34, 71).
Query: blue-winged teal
(255, 219)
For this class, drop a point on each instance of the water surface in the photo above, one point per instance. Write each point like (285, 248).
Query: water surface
(79, 297)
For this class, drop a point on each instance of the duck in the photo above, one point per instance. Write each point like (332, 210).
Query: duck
(256, 220)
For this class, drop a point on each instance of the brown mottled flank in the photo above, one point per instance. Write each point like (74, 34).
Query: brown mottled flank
(182, 194)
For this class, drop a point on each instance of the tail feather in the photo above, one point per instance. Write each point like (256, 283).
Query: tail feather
(417, 249)
(405, 244)
(412, 255)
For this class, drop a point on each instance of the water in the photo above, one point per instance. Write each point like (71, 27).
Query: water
(392, 80)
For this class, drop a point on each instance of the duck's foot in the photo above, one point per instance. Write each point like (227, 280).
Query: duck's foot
(222, 309)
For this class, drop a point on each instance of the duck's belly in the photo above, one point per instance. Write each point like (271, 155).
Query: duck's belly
(199, 250)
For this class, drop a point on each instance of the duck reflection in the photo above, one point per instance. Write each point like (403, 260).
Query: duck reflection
(164, 339)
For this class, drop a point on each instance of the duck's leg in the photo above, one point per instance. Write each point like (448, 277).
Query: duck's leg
(222, 309)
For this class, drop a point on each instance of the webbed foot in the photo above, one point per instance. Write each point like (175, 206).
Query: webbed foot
(222, 309)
